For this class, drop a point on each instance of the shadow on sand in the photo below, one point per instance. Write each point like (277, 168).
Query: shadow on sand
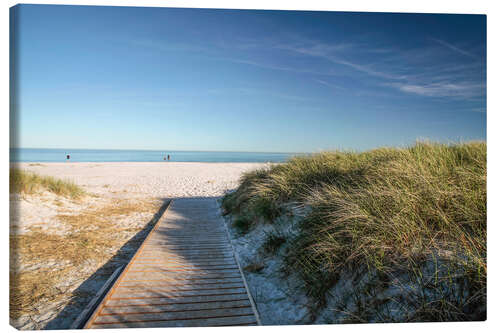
(86, 291)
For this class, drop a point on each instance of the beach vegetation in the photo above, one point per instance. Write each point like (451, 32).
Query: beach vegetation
(26, 182)
(407, 226)
(273, 242)
(242, 224)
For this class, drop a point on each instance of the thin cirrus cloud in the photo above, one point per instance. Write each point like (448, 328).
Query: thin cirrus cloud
(328, 52)
(417, 73)
(317, 50)
(424, 79)
(454, 48)
(441, 89)
(330, 85)
(265, 65)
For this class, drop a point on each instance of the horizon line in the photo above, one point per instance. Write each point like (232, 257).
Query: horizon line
(166, 151)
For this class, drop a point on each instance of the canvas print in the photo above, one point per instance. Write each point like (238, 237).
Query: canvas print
(175, 167)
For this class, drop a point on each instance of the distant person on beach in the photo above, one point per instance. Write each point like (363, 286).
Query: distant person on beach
(67, 157)
(168, 156)
(164, 158)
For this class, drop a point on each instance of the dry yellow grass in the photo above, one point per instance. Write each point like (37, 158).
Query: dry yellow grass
(29, 289)
(95, 236)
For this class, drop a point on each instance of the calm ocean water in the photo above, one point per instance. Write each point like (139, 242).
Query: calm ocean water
(91, 155)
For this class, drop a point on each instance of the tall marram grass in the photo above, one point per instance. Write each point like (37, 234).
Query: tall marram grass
(28, 183)
(418, 212)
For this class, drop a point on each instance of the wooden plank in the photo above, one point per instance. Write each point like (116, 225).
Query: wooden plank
(167, 269)
(191, 232)
(175, 292)
(187, 261)
(163, 268)
(179, 300)
(195, 322)
(206, 237)
(160, 253)
(171, 316)
(178, 275)
(174, 307)
(180, 286)
(198, 245)
(181, 260)
(186, 254)
(157, 253)
(181, 281)
(172, 293)
(186, 248)
(175, 242)
(177, 266)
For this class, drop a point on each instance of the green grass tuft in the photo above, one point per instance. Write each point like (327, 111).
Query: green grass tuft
(242, 224)
(273, 242)
(28, 183)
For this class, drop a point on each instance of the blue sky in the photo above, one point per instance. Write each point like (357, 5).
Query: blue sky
(287, 81)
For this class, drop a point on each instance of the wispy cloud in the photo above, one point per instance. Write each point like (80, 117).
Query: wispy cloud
(278, 68)
(416, 71)
(263, 65)
(453, 48)
(330, 85)
(423, 78)
(329, 53)
(441, 89)
(480, 110)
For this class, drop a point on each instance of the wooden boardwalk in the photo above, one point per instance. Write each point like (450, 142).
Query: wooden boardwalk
(184, 274)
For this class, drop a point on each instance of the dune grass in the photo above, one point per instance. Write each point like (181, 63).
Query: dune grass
(417, 212)
(28, 183)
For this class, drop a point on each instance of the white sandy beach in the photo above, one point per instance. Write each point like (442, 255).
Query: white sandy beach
(153, 179)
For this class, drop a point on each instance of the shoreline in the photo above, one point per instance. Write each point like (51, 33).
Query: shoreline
(155, 162)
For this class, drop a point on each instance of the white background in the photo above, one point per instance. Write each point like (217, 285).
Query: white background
(416, 6)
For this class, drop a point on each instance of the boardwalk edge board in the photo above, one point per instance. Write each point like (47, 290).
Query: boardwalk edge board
(87, 311)
(250, 297)
(124, 271)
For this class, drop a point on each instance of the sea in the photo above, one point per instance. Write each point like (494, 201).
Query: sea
(111, 155)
